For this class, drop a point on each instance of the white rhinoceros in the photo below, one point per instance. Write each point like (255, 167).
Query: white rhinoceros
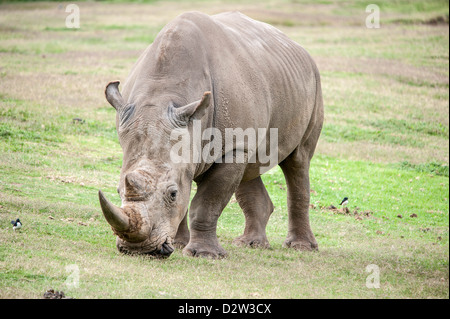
(216, 73)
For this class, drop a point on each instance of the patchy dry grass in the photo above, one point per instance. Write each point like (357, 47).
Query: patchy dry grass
(385, 145)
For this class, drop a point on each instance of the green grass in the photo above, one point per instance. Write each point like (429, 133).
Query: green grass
(432, 168)
(409, 251)
(385, 145)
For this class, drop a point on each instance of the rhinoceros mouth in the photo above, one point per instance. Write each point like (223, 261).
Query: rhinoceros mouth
(146, 247)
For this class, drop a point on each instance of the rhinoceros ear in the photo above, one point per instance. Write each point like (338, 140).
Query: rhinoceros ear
(113, 95)
(194, 110)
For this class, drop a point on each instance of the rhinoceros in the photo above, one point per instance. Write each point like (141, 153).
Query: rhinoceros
(224, 71)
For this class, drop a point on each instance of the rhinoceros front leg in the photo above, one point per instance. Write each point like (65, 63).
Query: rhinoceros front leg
(213, 194)
(182, 237)
(255, 202)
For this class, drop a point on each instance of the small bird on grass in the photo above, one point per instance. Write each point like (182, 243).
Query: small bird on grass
(344, 201)
(16, 224)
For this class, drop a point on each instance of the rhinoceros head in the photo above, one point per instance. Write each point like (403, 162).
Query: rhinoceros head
(154, 191)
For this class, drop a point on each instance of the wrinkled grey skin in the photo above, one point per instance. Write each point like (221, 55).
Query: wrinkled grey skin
(228, 71)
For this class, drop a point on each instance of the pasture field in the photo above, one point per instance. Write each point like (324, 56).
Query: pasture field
(385, 145)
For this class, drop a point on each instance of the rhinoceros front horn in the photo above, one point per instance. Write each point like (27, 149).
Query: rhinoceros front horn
(114, 215)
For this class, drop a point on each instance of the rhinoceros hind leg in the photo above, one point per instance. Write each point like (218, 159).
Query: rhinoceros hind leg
(255, 202)
(296, 172)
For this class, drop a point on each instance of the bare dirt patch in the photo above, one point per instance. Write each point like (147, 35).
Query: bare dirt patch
(390, 68)
(356, 212)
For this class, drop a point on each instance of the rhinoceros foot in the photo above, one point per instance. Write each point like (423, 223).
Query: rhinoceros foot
(302, 245)
(251, 241)
(208, 251)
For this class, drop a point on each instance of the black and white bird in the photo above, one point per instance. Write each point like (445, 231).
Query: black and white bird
(16, 224)
(344, 201)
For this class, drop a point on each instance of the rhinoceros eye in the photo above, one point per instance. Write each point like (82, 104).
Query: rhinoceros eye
(172, 193)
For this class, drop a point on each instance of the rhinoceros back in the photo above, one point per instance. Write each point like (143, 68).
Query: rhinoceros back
(259, 78)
